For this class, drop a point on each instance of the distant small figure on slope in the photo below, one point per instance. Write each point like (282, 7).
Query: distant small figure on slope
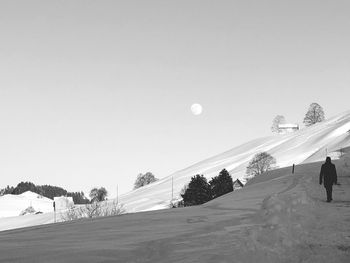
(328, 175)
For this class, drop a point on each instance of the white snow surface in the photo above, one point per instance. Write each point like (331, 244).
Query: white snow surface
(304, 146)
(278, 217)
(301, 147)
(13, 205)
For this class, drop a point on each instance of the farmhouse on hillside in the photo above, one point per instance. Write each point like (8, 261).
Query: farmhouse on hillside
(237, 185)
(287, 128)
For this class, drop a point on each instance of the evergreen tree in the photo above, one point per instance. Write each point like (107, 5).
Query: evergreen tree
(221, 184)
(24, 187)
(51, 191)
(198, 191)
(314, 115)
(7, 190)
(78, 197)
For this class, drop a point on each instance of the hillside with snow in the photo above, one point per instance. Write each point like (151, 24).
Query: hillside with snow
(307, 145)
(14, 205)
(278, 217)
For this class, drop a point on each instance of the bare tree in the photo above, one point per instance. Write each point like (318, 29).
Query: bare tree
(73, 213)
(144, 179)
(314, 115)
(261, 163)
(98, 194)
(93, 210)
(279, 119)
(113, 209)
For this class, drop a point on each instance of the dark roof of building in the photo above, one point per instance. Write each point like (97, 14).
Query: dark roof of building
(238, 182)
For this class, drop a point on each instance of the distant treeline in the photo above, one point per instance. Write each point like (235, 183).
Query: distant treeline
(48, 191)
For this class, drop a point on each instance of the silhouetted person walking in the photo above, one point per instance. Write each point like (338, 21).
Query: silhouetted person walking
(328, 175)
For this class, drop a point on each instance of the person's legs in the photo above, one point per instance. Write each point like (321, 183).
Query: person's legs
(329, 193)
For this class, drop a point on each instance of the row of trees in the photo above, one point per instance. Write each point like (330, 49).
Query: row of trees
(314, 115)
(48, 191)
(200, 191)
(7, 190)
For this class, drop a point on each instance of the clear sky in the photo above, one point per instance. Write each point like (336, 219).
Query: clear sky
(94, 92)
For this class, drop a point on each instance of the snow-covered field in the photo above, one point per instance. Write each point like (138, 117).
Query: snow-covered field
(13, 205)
(305, 146)
(278, 217)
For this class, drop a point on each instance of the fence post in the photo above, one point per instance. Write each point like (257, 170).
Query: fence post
(54, 211)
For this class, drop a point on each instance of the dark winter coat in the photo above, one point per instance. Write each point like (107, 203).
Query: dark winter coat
(328, 174)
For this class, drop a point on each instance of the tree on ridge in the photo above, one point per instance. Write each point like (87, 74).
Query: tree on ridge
(261, 163)
(279, 119)
(314, 115)
(98, 194)
(144, 179)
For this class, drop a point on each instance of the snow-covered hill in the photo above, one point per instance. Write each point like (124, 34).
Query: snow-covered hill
(307, 145)
(278, 217)
(13, 205)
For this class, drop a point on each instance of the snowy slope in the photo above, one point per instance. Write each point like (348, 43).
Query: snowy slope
(307, 145)
(13, 205)
(277, 218)
(14, 222)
